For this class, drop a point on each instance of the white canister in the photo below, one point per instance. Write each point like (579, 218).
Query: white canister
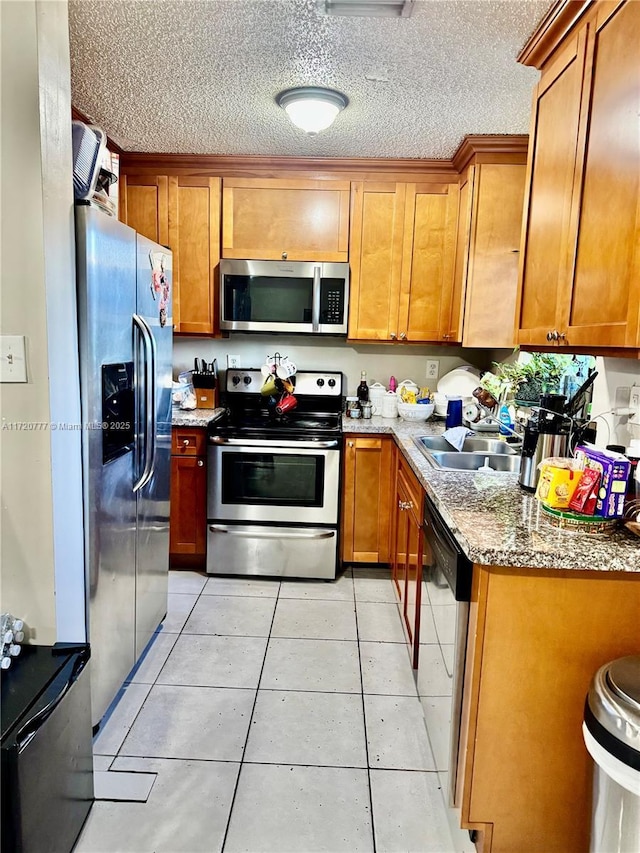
(376, 396)
(390, 405)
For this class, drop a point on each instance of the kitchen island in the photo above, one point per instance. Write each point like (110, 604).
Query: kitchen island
(548, 608)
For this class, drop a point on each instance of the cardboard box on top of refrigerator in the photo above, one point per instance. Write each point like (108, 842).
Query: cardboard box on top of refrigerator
(614, 472)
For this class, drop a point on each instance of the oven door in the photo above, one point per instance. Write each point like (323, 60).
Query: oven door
(291, 482)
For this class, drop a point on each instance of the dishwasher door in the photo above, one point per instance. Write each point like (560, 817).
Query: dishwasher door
(447, 573)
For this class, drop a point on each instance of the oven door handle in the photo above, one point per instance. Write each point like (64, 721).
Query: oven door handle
(252, 533)
(267, 444)
(315, 298)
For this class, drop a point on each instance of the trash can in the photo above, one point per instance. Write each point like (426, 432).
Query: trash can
(611, 732)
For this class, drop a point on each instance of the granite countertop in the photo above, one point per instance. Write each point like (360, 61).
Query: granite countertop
(194, 417)
(495, 521)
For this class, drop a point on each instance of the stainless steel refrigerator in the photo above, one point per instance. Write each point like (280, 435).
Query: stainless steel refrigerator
(125, 335)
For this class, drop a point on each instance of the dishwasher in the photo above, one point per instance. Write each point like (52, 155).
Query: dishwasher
(447, 575)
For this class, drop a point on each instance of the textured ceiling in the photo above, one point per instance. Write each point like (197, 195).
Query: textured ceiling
(200, 76)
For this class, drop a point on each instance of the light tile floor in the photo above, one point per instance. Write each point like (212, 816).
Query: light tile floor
(277, 716)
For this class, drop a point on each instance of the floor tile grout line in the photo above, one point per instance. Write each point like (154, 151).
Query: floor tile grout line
(364, 723)
(246, 740)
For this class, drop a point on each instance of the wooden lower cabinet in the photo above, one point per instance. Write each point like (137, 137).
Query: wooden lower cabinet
(407, 554)
(366, 498)
(188, 519)
(536, 638)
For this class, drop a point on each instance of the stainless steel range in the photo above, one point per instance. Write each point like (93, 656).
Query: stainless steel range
(274, 480)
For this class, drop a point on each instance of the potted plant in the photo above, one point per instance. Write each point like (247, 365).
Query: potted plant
(525, 381)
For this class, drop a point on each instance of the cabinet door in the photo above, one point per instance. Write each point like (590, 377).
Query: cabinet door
(145, 205)
(296, 220)
(194, 236)
(407, 555)
(604, 303)
(188, 520)
(377, 221)
(428, 260)
(494, 248)
(463, 240)
(367, 496)
(547, 250)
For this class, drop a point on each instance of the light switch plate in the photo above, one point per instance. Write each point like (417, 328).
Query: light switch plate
(634, 403)
(13, 360)
(233, 361)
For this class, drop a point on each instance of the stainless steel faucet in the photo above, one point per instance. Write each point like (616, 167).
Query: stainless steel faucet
(518, 435)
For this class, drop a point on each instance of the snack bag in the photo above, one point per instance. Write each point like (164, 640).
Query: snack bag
(586, 494)
(557, 483)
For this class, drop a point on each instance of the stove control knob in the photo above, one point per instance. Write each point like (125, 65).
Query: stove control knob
(332, 383)
(236, 380)
(247, 380)
(320, 383)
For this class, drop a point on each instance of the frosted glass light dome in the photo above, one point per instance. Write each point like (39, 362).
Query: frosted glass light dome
(310, 108)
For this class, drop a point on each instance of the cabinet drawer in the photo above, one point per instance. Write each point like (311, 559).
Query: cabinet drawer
(412, 487)
(188, 441)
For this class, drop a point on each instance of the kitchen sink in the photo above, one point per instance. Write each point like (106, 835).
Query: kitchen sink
(475, 453)
(471, 445)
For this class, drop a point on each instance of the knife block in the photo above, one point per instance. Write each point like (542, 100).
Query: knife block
(205, 397)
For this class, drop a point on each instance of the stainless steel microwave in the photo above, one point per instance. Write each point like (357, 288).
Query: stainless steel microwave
(284, 296)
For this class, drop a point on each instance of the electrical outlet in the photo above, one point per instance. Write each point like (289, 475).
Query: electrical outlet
(233, 361)
(634, 403)
(433, 368)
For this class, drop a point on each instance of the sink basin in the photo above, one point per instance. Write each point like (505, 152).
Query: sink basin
(498, 455)
(471, 445)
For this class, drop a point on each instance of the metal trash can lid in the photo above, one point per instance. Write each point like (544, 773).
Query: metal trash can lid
(612, 709)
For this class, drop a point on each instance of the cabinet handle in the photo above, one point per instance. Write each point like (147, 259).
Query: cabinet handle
(285, 256)
(186, 442)
(562, 336)
(200, 463)
(446, 337)
(403, 336)
(553, 335)
(515, 251)
(393, 336)
(405, 504)
(350, 444)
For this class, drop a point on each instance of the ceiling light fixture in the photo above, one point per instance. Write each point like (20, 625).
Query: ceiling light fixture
(311, 108)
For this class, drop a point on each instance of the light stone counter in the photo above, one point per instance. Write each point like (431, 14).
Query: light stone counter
(495, 521)
(194, 417)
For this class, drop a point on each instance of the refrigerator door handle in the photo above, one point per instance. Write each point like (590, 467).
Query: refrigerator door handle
(149, 406)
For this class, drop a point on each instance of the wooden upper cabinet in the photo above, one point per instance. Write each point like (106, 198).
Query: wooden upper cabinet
(428, 259)
(489, 227)
(295, 220)
(194, 236)
(183, 213)
(377, 222)
(552, 158)
(402, 261)
(144, 205)
(605, 298)
(580, 276)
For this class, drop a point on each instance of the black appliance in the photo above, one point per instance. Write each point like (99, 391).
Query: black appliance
(47, 758)
(546, 434)
(274, 479)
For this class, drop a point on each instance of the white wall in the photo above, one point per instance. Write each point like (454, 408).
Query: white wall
(615, 376)
(316, 353)
(41, 569)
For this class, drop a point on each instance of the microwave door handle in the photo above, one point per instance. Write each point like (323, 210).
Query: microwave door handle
(315, 305)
